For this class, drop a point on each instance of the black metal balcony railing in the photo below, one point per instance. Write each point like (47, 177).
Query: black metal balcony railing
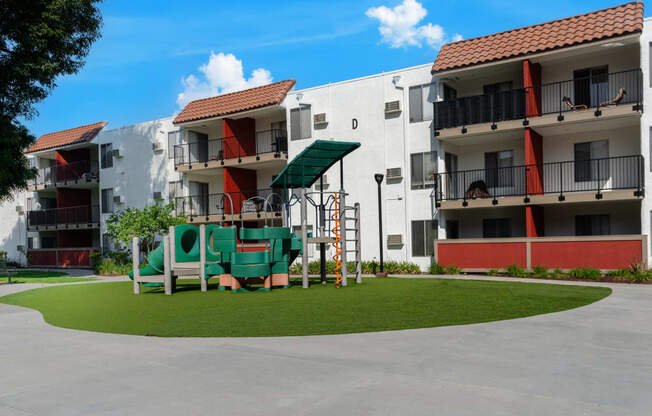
(594, 92)
(266, 142)
(593, 175)
(75, 171)
(85, 214)
(220, 203)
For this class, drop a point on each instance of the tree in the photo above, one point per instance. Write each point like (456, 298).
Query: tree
(146, 223)
(40, 40)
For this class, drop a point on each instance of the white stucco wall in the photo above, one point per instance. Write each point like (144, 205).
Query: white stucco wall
(387, 142)
(13, 227)
(646, 123)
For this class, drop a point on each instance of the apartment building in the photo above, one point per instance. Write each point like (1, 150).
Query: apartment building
(524, 147)
(543, 144)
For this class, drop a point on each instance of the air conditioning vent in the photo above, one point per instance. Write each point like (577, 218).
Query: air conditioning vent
(117, 153)
(394, 240)
(157, 146)
(392, 107)
(157, 196)
(317, 188)
(394, 173)
(19, 208)
(20, 248)
(320, 119)
(117, 199)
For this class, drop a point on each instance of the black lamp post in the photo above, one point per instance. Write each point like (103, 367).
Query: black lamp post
(379, 179)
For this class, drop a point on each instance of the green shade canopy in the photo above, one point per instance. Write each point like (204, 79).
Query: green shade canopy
(311, 163)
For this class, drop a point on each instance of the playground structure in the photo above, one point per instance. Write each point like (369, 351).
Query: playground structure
(224, 251)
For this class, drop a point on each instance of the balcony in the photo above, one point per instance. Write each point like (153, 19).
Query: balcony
(228, 151)
(614, 178)
(74, 173)
(576, 99)
(247, 206)
(69, 218)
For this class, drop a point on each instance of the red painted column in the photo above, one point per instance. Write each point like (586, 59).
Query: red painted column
(239, 137)
(532, 84)
(533, 181)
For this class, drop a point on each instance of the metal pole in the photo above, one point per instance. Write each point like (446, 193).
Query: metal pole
(135, 257)
(379, 179)
(304, 239)
(322, 227)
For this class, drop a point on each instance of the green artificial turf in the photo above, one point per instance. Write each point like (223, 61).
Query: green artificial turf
(35, 276)
(379, 304)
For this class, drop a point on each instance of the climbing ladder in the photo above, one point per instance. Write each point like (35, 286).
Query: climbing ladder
(350, 233)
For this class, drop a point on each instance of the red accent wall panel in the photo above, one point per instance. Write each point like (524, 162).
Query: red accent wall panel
(532, 81)
(67, 197)
(482, 255)
(607, 254)
(65, 157)
(239, 137)
(74, 258)
(74, 238)
(43, 258)
(240, 184)
(534, 221)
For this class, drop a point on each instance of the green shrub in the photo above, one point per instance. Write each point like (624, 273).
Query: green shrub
(618, 273)
(436, 268)
(493, 272)
(556, 273)
(515, 271)
(585, 273)
(640, 276)
(452, 269)
(540, 271)
(391, 267)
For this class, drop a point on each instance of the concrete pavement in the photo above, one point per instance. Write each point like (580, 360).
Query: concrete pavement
(594, 360)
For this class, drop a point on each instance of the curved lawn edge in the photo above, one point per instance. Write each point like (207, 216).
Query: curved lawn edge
(379, 304)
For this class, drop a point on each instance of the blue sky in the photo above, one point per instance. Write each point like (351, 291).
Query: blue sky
(150, 48)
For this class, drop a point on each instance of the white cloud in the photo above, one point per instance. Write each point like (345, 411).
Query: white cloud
(399, 26)
(222, 74)
(457, 37)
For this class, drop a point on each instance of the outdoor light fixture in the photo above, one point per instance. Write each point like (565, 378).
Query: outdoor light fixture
(379, 179)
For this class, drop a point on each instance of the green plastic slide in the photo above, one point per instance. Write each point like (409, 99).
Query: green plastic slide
(153, 267)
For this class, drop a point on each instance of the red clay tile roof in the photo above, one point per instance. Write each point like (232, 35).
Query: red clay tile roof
(66, 137)
(271, 94)
(602, 24)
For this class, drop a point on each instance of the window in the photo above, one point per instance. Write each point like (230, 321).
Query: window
(498, 165)
(591, 161)
(452, 230)
(107, 200)
(421, 102)
(423, 167)
(496, 227)
(591, 86)
(106, 155)
(174, 190)
(423, 238)
(592, 225)
(173, 139)
(30, 242)
(300, 123)
(30, 204)
(48, 242)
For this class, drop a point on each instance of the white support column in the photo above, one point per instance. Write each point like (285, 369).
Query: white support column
(343, 234)
(167, 269)
(135, 256)
(202, 257)
(304, 239)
